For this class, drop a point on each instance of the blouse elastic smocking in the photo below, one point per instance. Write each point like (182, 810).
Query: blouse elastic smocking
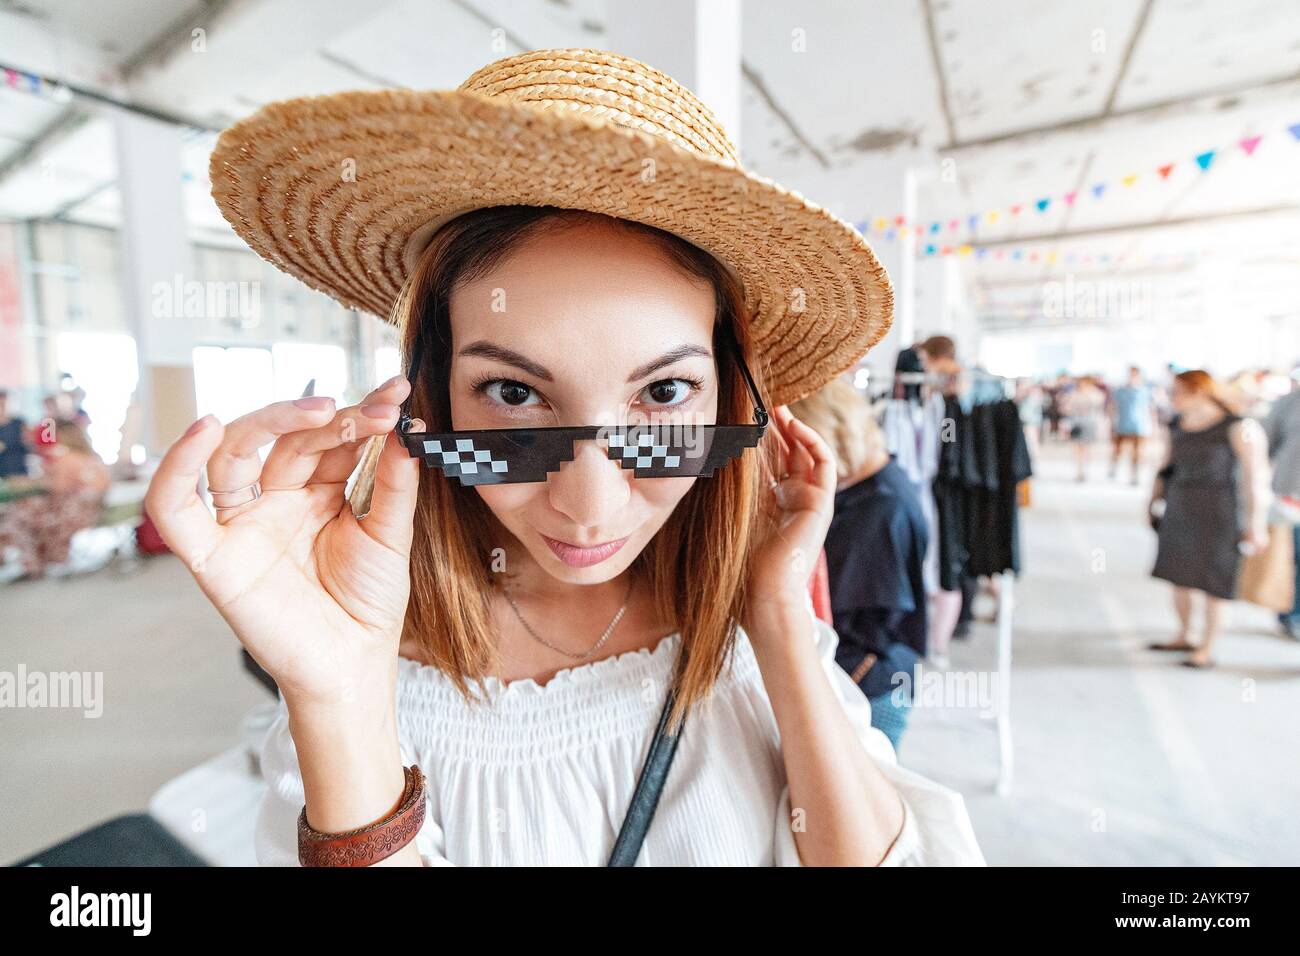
(541, 774)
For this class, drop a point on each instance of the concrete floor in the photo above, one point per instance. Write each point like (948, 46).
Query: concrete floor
(1122, 757)
(174, 695)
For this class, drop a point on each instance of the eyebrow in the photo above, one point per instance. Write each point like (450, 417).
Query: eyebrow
(500, 353)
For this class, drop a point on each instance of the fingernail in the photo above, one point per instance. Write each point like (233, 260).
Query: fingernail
(391, 382)
(315, 403)
(198, 426)
(380, 410)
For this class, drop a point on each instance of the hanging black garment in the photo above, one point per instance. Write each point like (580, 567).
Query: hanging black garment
(982, 461)
(995, 509)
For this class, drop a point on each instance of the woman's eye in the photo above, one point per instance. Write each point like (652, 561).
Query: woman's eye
(507, 392)
(668, 391)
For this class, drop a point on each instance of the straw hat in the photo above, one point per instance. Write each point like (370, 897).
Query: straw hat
(344, 192)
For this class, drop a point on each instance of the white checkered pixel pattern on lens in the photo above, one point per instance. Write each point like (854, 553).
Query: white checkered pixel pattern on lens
(645, 452)
(468, 465)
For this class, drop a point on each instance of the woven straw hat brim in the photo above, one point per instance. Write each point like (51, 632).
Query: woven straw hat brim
(817, 294)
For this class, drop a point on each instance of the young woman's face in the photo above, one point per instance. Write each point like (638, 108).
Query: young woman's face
(588, 325)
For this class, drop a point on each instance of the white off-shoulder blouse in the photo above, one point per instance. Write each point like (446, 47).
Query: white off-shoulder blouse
(542, 773)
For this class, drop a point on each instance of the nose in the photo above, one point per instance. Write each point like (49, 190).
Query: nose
(591, 490)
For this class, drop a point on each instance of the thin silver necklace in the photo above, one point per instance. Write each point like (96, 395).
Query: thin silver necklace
(569, 654)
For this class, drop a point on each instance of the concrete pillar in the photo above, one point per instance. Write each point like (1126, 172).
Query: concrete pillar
(696, 42)
(905, 292)
(156, 260)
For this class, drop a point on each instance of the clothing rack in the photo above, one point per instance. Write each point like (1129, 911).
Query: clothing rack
(1006, 752)
(1006, 579)
(1006, 629)
(888, 381)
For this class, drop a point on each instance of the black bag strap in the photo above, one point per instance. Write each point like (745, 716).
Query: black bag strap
(648, 787)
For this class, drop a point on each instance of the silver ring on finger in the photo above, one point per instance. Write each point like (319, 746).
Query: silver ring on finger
(243, 496)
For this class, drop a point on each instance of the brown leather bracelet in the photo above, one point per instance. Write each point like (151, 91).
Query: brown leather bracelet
(366, 845)
(868, 662)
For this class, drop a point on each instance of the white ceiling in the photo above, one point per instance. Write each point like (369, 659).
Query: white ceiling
(1026, 100)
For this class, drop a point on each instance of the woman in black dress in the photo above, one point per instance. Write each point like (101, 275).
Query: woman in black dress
(1215, 488)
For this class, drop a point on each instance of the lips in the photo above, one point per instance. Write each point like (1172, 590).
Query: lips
(583, 557)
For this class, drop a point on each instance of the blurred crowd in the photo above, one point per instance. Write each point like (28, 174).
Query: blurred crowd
(1225, 479)
(52, 485)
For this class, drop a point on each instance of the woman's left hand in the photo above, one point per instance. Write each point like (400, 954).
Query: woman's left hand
(803, 503)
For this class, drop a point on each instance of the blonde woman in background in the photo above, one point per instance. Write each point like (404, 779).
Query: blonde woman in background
(875, 552)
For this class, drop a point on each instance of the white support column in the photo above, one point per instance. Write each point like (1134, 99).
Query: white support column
(156, 256)
(905, 310)
(1006, 629)
(696, 42)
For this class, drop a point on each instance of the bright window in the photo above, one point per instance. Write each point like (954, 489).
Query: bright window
(229, 382)
(104, 365)
(296, 365)
(387, 363)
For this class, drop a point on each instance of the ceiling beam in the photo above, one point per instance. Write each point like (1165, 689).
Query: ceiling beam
(1131, 227)
(1138, 112)
(936, 65)
(1122, 73)
(755, 80)
(68, 119)
(178, 35)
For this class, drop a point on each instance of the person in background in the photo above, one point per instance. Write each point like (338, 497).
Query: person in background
(1084, 408)
(875, 551)
(939, 355)
(1030, 400)
(1134, 420)
(13, 444)
(1053, 395)
(951, 609)
(56, 408)
(1204, 523)
(75, 482)
(1282, 427)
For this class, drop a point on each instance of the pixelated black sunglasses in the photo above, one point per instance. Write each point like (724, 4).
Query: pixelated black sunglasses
(495, 456)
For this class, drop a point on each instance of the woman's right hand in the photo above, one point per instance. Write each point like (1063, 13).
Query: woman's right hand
(317, 596)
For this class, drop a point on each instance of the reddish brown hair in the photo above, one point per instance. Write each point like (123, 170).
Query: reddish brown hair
(1200, 382)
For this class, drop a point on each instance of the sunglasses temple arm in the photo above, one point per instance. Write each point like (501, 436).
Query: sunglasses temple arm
(404, 420)
(760, 413)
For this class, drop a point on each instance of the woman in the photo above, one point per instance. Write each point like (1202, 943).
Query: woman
(1282, 428)
(875, 555)
(512, 622)
(1084, 407)
(13, 444)
(1214, 455)
(74, 483)
(954, 589)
